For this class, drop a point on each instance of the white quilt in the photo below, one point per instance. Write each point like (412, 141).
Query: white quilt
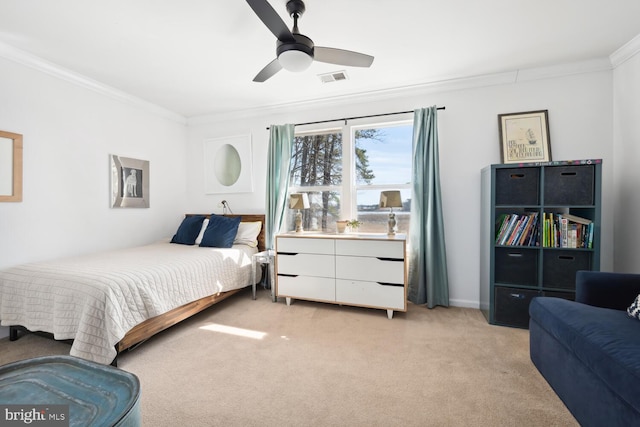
(96, 299)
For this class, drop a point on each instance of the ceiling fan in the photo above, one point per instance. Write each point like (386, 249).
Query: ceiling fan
(295, 51)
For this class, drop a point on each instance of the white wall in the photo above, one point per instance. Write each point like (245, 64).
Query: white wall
(580, 116)
(69, 132)
(626, 156)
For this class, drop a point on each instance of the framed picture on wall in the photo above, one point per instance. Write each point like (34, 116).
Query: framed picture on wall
(524, 137)
(129, 182)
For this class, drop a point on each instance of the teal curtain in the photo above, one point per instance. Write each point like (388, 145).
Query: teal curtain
(278, 169)
(428, 278)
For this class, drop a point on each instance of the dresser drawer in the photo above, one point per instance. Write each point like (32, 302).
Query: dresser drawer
(305, 287)
(371, 294)
(306, 264)
(305, 245)
(371, 248)
(370, 269)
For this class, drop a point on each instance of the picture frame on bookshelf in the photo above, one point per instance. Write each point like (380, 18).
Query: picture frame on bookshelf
(524, 137)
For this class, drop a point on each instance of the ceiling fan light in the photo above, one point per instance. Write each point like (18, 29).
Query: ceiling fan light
(295, 60)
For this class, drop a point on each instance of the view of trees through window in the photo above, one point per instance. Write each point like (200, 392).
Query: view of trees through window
(343, 172)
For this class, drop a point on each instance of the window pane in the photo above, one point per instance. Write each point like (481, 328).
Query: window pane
(317, 160)
(375, 219)
(383, 155)
(321, 216)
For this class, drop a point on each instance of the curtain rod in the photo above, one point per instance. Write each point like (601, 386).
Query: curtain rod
(355, 118)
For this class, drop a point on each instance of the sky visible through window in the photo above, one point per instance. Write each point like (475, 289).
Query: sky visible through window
(389, 159)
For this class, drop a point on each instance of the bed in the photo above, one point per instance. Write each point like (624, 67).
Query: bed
(109, 302)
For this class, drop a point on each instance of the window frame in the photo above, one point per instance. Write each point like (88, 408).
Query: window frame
(348, 189)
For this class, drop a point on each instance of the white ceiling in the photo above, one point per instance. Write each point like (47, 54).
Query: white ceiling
(196, 57)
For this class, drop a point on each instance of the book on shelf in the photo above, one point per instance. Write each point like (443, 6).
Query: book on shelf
(576, 219)
(564, 231)
(501, 225)
(561, 231)
(517, 229)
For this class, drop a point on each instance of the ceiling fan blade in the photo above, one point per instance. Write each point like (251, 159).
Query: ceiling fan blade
(271, 19)
(268, 71)
(342, 57)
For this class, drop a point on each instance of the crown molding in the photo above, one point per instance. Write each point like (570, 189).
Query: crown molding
(21, 57)
(413, 90)
(626, 52)
(361, 97)
(562, 70)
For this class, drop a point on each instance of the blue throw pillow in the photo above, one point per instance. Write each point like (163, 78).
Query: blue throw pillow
(188, 230)
(221, 231)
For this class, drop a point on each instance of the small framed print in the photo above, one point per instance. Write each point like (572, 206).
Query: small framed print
(129, 182)
(524, 137)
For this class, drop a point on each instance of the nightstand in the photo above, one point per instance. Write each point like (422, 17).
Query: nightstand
(262, 258)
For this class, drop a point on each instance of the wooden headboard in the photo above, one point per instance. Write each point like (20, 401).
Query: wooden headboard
(248, 218)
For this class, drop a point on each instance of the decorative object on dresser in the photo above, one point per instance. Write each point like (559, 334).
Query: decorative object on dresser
(532, 244)
(299, 201)
(391, 199)
(351, 269)
(124, 297)
(354, 224)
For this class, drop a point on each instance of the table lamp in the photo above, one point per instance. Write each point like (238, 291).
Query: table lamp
(391, 199)
(299, 201)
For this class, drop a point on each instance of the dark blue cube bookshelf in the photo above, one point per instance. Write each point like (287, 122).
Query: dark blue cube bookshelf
(540, 223)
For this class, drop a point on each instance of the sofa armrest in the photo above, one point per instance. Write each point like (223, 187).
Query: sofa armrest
(608, 290)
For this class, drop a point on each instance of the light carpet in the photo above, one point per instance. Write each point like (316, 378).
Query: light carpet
(258, 363)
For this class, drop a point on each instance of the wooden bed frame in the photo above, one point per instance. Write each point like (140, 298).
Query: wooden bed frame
(152, 326)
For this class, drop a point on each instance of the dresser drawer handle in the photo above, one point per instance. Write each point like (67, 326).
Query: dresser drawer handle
(390, 259)
(390, 284)
(288, 253)
(288, 275)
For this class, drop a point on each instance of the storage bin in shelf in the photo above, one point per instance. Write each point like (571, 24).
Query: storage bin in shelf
(518, 186)
(560, 267)
(512, 305)
(569, 185)
(516, 266)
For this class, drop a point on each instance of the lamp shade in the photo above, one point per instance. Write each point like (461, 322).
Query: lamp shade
(299, 201)
(390, 199)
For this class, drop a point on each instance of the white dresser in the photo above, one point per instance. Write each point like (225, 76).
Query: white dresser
(366, 270)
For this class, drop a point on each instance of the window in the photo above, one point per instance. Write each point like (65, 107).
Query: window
(343, 170)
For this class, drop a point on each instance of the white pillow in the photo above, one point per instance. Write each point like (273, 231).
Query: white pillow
(248, 234)
(204, 227)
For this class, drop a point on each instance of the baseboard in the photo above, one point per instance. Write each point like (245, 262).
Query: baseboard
(464, 303)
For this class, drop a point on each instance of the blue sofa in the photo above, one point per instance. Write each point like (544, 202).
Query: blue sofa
(589, 350)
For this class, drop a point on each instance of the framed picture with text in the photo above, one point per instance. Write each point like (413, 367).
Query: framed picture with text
(524, 137)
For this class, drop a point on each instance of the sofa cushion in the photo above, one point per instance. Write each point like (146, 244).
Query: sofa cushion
(607, 341)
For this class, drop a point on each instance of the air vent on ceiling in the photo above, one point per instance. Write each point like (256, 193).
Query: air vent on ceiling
(333, 77)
